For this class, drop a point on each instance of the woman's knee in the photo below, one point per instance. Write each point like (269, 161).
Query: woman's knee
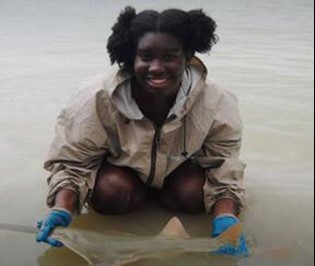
(183, 189)
(117, 190)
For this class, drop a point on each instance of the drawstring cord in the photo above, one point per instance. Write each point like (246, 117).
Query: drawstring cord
(185, 153)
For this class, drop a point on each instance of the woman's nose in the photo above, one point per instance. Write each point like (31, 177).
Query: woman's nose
(157, 67)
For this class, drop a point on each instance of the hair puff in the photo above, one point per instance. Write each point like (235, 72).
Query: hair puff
(119, 42)
(202, 28)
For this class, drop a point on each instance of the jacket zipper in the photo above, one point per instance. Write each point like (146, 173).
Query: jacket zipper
(155, 144)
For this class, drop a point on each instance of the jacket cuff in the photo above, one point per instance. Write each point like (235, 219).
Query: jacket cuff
(81, 192)
(214, 193)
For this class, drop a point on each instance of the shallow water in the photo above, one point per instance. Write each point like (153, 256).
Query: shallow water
(265, 55)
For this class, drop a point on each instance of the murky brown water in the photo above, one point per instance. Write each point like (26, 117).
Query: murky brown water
(265, 55)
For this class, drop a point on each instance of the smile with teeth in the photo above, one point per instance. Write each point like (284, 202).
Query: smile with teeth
(157, 81)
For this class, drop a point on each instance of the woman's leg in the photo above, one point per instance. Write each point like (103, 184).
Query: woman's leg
(183, 189)
(117, 190)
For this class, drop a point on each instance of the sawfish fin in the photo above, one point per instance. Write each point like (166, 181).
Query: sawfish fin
(174, 229)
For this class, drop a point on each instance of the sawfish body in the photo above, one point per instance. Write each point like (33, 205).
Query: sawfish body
(109, 249)
(116, 250)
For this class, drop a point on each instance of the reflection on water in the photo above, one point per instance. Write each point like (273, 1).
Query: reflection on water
(265, 55)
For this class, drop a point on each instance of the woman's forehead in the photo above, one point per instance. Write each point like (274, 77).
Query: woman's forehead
(159, 40)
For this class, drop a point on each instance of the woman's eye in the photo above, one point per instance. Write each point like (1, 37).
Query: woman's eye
(145, 57)
(170, 57)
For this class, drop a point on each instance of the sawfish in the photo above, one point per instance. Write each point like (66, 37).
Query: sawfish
(118, 249)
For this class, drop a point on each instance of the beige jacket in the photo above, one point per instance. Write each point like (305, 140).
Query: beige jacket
(103, 121)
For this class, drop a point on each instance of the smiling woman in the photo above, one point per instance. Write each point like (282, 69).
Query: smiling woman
(160, 63)
(156, 48)
(159, 67)
(116, 142)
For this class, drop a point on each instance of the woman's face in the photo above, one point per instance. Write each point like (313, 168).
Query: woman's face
(159, 63)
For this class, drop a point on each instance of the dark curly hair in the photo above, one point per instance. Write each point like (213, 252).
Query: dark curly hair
(194, 29)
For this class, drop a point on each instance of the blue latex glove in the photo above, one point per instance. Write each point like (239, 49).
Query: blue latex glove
(221, 224)
(55, 218)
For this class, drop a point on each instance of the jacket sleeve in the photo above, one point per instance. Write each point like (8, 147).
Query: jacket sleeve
(219, 155)
(77, 151)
